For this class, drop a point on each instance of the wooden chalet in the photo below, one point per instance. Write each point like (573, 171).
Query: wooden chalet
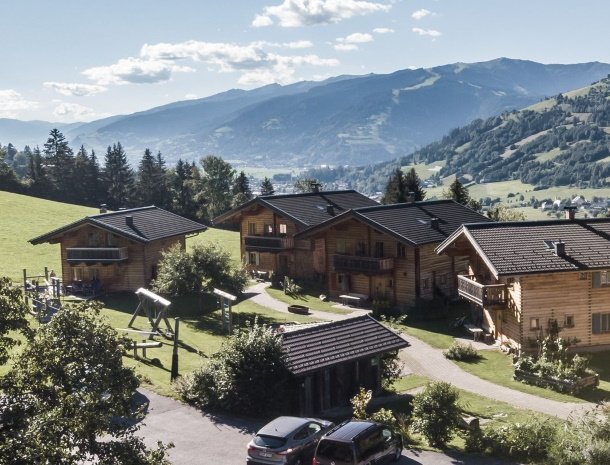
(387, 251)
(331, 361)
(526, 277)
(268, 224)
(117, 251)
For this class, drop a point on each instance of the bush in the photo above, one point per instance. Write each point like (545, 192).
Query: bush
(436, 413)
(248, 375)
(527, 442)
(462, 352)
(360, 403)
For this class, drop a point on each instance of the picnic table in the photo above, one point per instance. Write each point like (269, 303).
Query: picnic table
(474, 330)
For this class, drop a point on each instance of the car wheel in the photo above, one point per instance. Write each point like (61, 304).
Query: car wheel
(397, 454)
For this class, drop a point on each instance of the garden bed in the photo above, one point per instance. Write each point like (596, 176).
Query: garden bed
(300, 309)
(560, 385)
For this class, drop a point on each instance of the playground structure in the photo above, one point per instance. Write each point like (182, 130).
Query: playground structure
(155, 308)
(224, 302)
(42, 294)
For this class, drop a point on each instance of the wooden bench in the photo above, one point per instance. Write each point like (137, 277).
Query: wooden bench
(476, 332)
(346, 299)
(144, 346)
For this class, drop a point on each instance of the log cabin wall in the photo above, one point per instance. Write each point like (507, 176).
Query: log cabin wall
(559, 296)
(135, 272)
(438, 271)
(511, 331)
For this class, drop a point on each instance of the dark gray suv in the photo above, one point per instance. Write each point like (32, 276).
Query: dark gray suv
(287, 441)
(359, 443)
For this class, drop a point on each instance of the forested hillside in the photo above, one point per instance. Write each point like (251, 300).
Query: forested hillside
(561, 141)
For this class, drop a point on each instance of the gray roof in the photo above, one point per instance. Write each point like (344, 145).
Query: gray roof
(321, 346)
(306, 209)
(410, 222)
(149, 224)
(515, 248)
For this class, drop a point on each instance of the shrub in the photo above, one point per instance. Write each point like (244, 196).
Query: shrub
(462, 352)
(436, 413)
(248, 375)
(527, 442)
(360, 403)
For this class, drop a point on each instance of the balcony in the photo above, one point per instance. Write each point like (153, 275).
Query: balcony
(97, 254)
(268, 243)
(485, 295)
(366, 265)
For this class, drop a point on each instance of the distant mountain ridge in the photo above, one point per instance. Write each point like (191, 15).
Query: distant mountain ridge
(344, 120)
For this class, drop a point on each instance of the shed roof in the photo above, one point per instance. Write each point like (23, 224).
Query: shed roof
(410, 222)
(147, 224)
(306, 209)
(321, 346)
(514, 248)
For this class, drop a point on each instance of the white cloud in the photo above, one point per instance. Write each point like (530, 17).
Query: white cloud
(11, 103)
(74, 89)
(345, 47)
(74, 112)
(426, 32)
(383, 30)
(190, 96)
(294, 13)
(356, 38)
(298, 44)
(135, 71)
(420, 14)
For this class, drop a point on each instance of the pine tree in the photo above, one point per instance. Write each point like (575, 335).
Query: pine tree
(458, 192)
(81, 166)
(163, 196)
(118, 178)
(59, 160)
(94, 182)
(40, 186)
(147, 179)
(241, 190)
(396, 189)
(267, 187)
(413, 185)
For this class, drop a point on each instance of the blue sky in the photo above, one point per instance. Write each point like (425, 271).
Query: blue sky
(71, 60)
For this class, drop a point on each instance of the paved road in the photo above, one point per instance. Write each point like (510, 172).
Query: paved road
(201, 439)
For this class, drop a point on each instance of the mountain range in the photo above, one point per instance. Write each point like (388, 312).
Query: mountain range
(345, 120)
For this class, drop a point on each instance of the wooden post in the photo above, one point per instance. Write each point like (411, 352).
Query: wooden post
(174, 372)
(46, 273)
(25, 286)
(143, 348)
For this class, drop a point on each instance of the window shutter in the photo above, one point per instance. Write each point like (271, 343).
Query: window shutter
(596, 320)
(596, 279)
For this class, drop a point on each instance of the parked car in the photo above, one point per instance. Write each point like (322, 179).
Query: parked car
(358, 442)
(287, 440)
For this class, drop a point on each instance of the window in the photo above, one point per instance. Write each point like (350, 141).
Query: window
(341, 246)
(600, 279)
(361, 249)
(425, 283)
(568, 321)
(583, 276)
(600, 323)
(94, 274)
(283, 229)
(534, 323)
(268, 230)
(401, 250)
(379, 249)
(390, 283)
(252, 229)
(253, 258)
(93, 239)
(109, 239)
(78, 274)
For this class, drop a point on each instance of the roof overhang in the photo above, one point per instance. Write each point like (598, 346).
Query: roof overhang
(57, 233)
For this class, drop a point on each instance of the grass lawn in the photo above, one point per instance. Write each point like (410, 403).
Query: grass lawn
(497, 367)
(308, 298)
(229, 240)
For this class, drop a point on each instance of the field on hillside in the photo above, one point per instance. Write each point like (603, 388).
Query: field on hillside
(23, 218)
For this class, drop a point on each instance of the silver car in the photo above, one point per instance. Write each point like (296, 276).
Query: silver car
(287, 441)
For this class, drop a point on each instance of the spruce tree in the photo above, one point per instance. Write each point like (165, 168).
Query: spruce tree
(40, 186)
(118, 178)
(267, 187)
(396, 189)
(241, 190)
(94, 183)
(81, 166)
(413, 185)
(147, 179)
(59, 160)
(181, 190)
(458, 192)
(162, 192)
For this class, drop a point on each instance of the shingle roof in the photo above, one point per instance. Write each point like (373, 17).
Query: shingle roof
(411, 222)
(526, 247)
(316, 347)
(149, 224)
(306, 209)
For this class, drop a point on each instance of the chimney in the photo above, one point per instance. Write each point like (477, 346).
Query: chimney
(560, 248)
(434, 223)
(129, 221)
(410, 197)
(330, 209)
(570, 212)
(315, 187)
(103, 208)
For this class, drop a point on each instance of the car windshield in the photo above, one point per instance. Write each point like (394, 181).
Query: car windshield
(270, 442)
(338, 452)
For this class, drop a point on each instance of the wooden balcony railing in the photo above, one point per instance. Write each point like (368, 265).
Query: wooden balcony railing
(268, 243)
(347, 263)
(485, 295)
(97, 254)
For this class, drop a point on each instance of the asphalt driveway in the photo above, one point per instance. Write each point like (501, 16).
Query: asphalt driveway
(221, 440)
